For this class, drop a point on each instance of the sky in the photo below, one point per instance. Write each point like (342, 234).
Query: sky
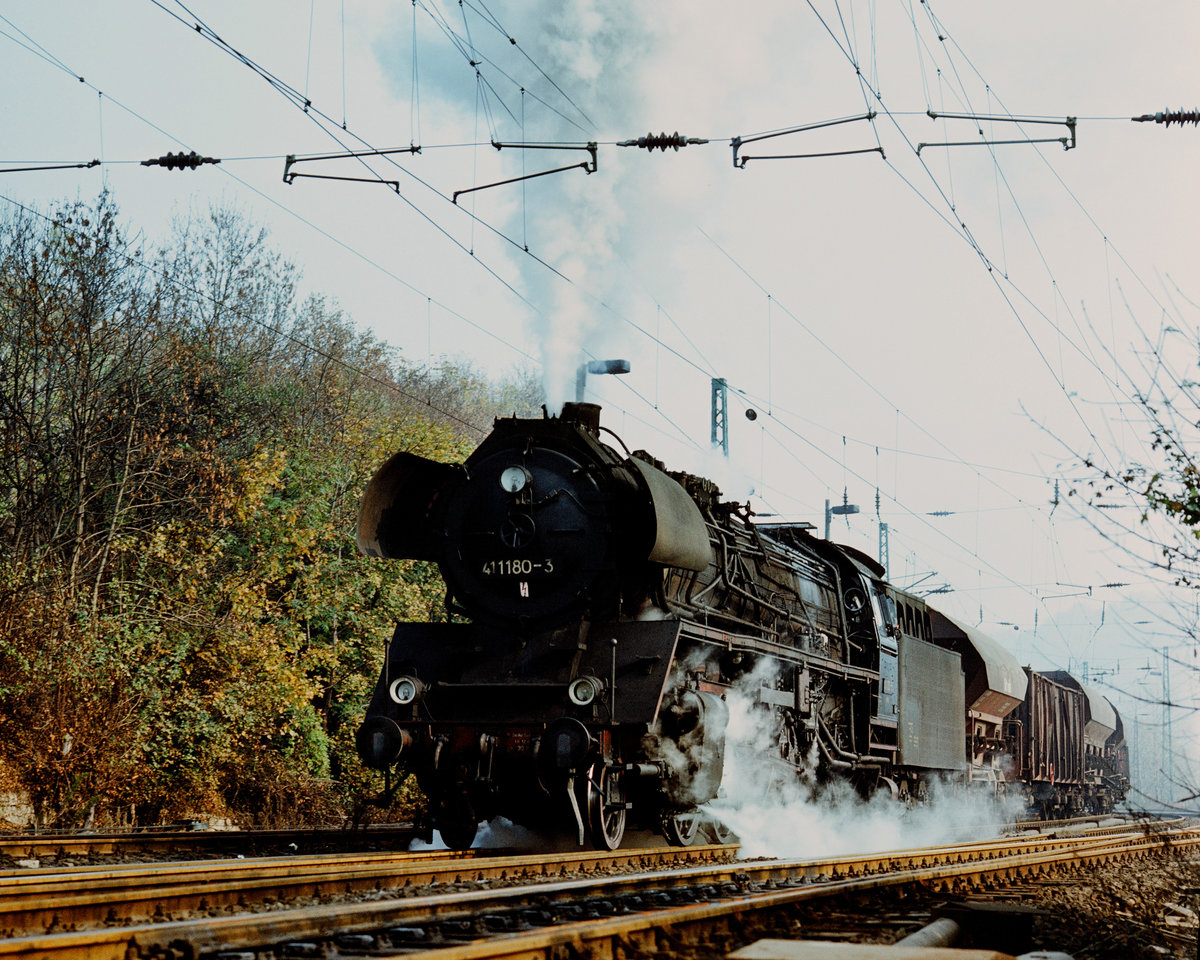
(944, 331)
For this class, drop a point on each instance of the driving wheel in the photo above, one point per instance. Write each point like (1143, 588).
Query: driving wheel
(606, 807)
(681, 830)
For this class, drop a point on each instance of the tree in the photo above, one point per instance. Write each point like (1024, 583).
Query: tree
(1161, 491)
(185, 624)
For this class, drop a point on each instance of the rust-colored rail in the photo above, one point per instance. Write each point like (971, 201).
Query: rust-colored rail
(604, 938)
(735, 888)
(39, 846)
(34, 901)
(68, 844)
(43, 900)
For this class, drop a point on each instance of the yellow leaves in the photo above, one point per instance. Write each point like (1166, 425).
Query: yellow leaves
(414, 435)
(257, 479)
(232, 621)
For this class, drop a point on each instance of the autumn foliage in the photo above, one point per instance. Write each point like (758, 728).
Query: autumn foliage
(186, 627)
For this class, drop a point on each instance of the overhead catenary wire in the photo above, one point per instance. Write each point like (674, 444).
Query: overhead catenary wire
(471, 247)
(343, 2)
(841, 360)
(797, 435)
(856, 54)
(336, 240)
(466, 48)
(1050, 167)
(468, 248)
(414, 102)
(921, 519)
(961, 227)
(59, 64)
(491, 19)
(328, 126)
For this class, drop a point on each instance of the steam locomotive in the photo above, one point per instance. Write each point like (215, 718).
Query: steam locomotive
(599, 611)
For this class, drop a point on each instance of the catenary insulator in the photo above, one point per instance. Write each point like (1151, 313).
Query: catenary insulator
(179, 161)
(661, 142)
(1169, 117)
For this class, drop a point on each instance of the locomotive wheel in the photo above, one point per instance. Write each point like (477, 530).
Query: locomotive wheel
(716, 829)
(456, 821)
(682, 829)
(606, 807)
(458, 834)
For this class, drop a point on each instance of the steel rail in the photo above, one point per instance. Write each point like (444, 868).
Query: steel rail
(641, 933)
(74, 896)
(116, 842)
(197, 870)
(60, 845)
(793, 881)
(32, 900)
(38, 900)
(1069, 822)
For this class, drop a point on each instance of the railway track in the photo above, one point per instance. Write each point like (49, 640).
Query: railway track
(541, 906)
(156, 842)
(89, 895)
(84, 845)
(1079, 823)
(127, 892)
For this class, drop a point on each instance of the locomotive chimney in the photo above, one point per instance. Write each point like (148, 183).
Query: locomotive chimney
(586, 415)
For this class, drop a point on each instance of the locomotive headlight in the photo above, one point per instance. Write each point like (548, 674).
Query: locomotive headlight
(514, 479)
(583, 690)
(404, 690)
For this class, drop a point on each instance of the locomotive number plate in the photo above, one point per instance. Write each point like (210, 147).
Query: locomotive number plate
(516, 567)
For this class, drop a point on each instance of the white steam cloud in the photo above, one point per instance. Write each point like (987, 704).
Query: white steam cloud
(497, 833)
(780, 816)
(579, 218)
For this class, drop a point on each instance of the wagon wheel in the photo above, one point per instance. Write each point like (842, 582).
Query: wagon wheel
(606, 807)
(681, 829)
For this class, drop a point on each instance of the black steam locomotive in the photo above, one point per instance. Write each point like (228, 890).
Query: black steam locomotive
(599, 609)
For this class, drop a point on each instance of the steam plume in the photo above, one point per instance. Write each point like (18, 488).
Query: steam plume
(787, 817)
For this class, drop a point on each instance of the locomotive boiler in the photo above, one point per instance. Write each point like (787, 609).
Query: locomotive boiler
(599, 610)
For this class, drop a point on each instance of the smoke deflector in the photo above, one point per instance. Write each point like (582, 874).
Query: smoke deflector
(394, 518)
(681, 536)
